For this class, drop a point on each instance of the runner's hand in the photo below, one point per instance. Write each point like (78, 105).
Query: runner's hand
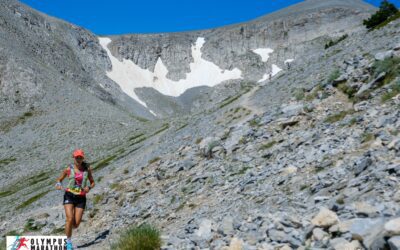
(58, 186)
(86, 189)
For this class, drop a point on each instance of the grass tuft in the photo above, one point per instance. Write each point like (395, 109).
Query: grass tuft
(32, 199)
(334, 42)
(366, 137)
(390, 65)
(144, 237)
(105, 162)
(333, 76)
(6, 161)
(97, 198)
(394, 91)
(339, 116)
(154, 159)
(268, 145)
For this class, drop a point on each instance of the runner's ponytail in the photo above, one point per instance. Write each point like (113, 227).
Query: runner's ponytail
(85, 165)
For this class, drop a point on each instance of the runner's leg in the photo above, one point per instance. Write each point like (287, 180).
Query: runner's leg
(69, 219)
(78, 216)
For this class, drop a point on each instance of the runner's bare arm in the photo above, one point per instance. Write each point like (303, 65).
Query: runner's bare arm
(60, 179)
(90, 176)
(62, 176)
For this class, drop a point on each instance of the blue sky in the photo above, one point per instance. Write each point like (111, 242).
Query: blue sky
(105, 17)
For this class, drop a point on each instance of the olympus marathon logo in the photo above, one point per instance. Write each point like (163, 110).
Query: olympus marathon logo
(36, 242)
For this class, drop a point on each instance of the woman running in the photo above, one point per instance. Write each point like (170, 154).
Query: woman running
(75, 193)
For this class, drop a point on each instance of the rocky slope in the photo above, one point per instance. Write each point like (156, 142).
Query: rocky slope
(317, 168)
(307, 159)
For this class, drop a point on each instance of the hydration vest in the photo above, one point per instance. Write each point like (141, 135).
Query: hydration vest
(72, 186)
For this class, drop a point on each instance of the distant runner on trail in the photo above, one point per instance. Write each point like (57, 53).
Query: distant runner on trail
(75, 194)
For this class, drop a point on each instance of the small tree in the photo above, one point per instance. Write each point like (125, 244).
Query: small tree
(385, 11)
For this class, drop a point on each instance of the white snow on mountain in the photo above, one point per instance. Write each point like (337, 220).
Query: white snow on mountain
(275, 70)
(264, 53)
(130, 76)
(289, 60)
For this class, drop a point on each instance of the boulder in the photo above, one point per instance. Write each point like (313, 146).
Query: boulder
(394, 243)
(325, 218)
(292, 109)
(236, 244)
(371, 84)
(380, 56)
(289, 170)
(392, 227)
(204, 230)
(226, 226)
(208, 144)
(366, 230)
(319, 234)
(363, 208)
(353, 245)
(289, 123)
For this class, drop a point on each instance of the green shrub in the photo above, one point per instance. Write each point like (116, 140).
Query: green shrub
(390, 19)
(299, 94)
(135, 136)
(229, 100)
(340, 200)
(28, 114)
(103, 163)
(254, 123)
(390, 65)
(334, 42)
(333, 76)
(394, 91)
(352, 121)
(97, 198)
(6, 161)
(308, 109)
(339, 116)
(348, 90)
(314, 93)
(116, 185)
(164, 127)
(366, 137)
(30, 226)
(154, 159)
(2, 244)
(144, 237)
(386, 10)
(32, 199)
(268, 145)
(303, 187)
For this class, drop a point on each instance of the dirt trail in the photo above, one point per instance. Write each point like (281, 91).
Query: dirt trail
(246, 101)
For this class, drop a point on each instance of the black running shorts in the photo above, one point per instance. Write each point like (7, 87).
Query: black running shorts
(76, 200)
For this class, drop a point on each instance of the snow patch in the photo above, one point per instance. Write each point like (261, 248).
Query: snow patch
(151, 111)
(265, 77)
(288, 61)
(275, 69)
(264, 53)
(130, 76)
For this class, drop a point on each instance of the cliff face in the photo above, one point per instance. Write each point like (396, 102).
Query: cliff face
(287, 32)
(42, 58)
